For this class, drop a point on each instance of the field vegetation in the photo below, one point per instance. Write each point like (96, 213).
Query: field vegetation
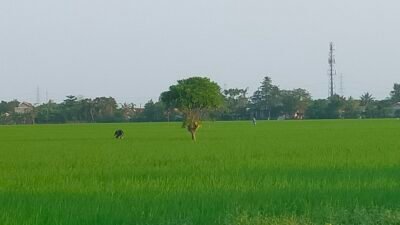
(278, 172)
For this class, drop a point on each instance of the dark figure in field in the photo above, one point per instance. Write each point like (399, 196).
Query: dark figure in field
(119, 134)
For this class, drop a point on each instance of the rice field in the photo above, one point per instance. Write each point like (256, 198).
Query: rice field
(278, 172)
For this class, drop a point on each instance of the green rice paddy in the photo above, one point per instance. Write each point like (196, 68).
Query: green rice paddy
(278, 172)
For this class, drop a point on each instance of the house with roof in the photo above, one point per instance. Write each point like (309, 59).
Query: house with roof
(24, 108)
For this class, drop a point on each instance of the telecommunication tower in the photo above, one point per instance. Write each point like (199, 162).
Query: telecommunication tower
(332, 70)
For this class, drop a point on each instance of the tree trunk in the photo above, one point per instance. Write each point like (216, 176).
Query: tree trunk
(193, 135)
(192, 128)
(91, 114)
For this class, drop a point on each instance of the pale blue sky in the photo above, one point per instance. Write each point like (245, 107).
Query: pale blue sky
(133, 50)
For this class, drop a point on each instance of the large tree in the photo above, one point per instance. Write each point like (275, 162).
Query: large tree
(236, 103)
(193, 97)
(395, 94)
(368, 105)
(366, 99)
(295, 101)
(317, 109)
(335, 107)
(351, 109)
(50, 112)
(70, 108)
(267, 99)
(105, 108)
(8, 107)
(154, 112)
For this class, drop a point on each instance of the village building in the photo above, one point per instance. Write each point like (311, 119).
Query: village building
(25, 113)
(24, 108)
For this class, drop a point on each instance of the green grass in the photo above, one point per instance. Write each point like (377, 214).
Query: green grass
(278, 172)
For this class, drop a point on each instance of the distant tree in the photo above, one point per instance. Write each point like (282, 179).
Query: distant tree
(154, 112)
(267, 99)
(70, 108)
(351, 109)
(87, 110)
(335, 106)
(6, 118)
(235, 104)
(7, 114)
(366, 99)
(128, 111)
(8, 107)
(383, 108)
(395, 94)
(293, 101)
(397, 113)
(194, 97)
(105, 109)
(50, 112)
(3, 107)
(317, 109)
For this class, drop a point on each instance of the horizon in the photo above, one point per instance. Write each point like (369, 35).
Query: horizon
(249, 94)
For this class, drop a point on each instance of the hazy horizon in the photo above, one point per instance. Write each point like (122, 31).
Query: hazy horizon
(134, 50)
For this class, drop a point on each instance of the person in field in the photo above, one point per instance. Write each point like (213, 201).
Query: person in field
(119, 134)
(254, 121)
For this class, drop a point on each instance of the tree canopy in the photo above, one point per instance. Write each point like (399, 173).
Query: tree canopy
(195, 93)
(198, 98)
(193, 97)
(395, 94)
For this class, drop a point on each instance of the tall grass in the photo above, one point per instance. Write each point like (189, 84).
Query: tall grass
(278, 172)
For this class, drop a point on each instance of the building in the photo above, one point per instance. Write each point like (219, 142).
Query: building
(24, 108)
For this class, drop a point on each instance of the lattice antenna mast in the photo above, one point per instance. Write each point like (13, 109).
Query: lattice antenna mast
(332, 70)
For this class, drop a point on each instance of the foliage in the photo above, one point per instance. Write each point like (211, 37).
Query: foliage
(197, 98)
(267, 100)
(193, 94)
(235, 104)
(154, 112)
(194, 97)
(366, 99)
(296, 100)
(397, 113)
(335, 106)
(351, 109)
(395, 93)
(8, 107)
(317, 109)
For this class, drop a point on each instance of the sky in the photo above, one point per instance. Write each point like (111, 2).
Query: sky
(134, 50)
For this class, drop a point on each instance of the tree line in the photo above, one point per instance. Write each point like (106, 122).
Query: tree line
(267, 102)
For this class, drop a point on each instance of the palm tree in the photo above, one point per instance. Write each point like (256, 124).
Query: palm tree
(366, 99)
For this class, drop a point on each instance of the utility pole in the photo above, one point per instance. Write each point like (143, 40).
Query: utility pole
(332, 70)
